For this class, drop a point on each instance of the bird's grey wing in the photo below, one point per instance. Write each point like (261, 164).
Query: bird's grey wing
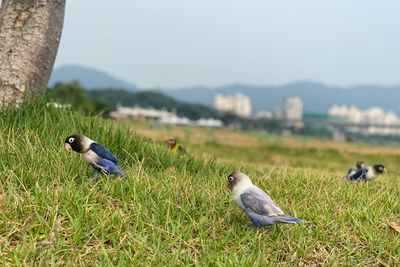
(102, 152)
(257, 201)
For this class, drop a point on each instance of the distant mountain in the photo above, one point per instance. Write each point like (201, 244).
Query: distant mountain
(316, 97)
(88, 77)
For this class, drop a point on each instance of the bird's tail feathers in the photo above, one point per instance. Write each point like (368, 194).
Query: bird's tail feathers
(116, 170)
(288, 219)
(121, 173)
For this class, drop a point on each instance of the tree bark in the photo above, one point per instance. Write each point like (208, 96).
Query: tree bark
(30, 32)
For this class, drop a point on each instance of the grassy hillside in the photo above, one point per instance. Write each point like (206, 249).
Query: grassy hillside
(263, 149)
(173, 210)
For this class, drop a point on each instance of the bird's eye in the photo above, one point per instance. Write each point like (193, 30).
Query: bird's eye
(230, 178)
(71, 140)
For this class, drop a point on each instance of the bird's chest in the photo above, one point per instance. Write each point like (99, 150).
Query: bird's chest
(90, 157)
(174, 148)
(370, 174)
(237, 197)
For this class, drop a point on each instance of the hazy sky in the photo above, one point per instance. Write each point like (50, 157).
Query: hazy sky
(177, 43)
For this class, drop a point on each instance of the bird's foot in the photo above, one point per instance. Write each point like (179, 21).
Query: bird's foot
(93, 179)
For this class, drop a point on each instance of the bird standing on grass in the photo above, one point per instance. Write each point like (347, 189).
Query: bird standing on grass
(174, 147)
(259, 206)
(100, 158)
(368, 173)
(359, 166)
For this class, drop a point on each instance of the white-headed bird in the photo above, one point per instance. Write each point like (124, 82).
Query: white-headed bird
(359, 166)
(259, 206)
(368, 173)
(96, 155)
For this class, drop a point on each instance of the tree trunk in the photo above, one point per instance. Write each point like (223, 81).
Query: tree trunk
(30, 31)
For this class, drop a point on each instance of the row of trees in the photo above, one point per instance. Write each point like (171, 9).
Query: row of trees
(155, 100)
(104, 100)
(75, 95)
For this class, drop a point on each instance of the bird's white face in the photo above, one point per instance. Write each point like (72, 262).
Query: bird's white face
(238, 182)
(78, 143)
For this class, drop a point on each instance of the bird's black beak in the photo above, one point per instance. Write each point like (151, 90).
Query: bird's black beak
(67, 146)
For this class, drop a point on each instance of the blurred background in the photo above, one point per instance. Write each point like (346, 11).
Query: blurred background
(311, 68)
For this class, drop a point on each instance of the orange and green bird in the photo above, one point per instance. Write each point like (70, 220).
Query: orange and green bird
(174, 147)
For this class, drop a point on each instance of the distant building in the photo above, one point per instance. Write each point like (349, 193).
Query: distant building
(210, 122)
(237, 104)
(373, 119)
(292, 112)
(174, 120)
(58, 105)
(139, 113)
(264, 115)
(161, 116)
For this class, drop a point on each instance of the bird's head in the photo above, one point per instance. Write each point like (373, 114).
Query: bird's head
(171, 142)
(379, 168)
(76, 142)
(237, 178)
(360, 165)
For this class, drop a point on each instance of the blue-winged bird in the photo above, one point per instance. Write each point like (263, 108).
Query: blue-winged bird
(359, 166)
(257, 204)
(368, 173)
(96, 155)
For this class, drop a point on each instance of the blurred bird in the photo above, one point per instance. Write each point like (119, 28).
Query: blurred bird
(100, 158)
(174, 147)
(259, 206)
(359, 166)
(368, 173)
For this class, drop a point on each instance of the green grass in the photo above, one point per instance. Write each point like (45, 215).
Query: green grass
(303, 157)
(177, 210)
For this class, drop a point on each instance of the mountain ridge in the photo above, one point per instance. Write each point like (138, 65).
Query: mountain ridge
(317, 96)
(90, 78)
